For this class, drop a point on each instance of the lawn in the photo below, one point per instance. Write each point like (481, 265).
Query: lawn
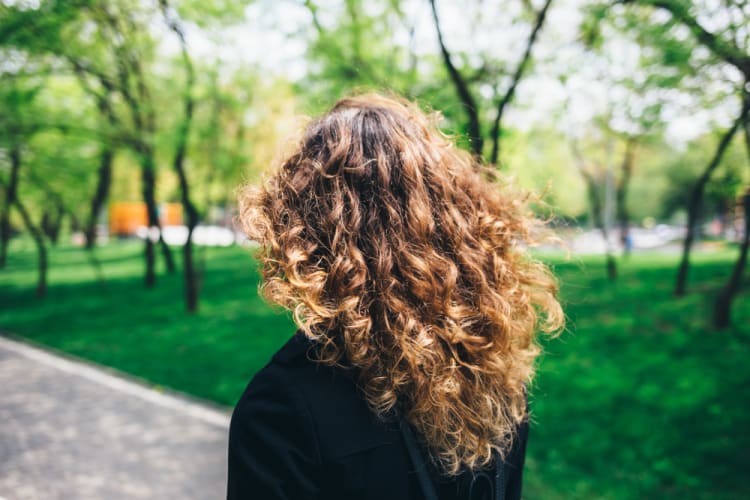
(637, 399)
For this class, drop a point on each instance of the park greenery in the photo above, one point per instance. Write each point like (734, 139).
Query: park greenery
(622, 114)
(635, 400)
(138, 100)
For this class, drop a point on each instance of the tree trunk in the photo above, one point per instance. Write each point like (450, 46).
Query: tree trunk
(103, 183)
(596, 211)
(56, 226)
(11, 192)
(148, 180)
(723, 304)
(191, 277)
(52, 223)
(36, 234)
(191, 280)
(621, 202)
(696, 199)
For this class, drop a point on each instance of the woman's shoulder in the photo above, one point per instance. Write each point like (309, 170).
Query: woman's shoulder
(327, 395)
(294, 367)
(288, 375)
(294, 351)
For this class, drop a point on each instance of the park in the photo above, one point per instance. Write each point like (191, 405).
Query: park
(128, 128)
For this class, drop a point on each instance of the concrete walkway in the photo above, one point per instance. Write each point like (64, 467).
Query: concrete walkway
(69, 430)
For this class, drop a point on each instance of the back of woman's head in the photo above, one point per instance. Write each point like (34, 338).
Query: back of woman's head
(403, 263)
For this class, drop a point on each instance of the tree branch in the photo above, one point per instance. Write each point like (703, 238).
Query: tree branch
(462, 89)
(725, 50)
(523, 63)
(189, 104)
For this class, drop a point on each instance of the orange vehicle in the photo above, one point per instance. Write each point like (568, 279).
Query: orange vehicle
(126, 217)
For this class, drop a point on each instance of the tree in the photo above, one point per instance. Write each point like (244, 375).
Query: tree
(16, 131)
(357, 50)
(108, 46)
(730, 46)
(392, 59)
(467, 98)
(119, 28)
(191, 213)
(725, 297)
(109, 51)
(597, 176)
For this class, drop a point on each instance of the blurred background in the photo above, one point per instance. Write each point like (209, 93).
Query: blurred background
(126, 127)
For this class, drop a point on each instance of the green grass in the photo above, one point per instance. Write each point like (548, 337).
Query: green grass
(639, 398)
(211, 355)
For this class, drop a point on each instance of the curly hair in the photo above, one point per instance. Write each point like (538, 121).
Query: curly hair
(404, 264)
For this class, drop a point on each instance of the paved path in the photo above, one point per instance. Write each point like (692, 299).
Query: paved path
(69, 430)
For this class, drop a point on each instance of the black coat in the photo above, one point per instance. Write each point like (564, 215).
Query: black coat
(301, 430)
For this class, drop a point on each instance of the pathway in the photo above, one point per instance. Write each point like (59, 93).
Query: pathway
(69, 430)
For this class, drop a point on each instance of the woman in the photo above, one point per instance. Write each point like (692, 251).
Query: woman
(417, 308)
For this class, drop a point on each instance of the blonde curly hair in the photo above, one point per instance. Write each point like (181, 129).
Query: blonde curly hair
(403, 263)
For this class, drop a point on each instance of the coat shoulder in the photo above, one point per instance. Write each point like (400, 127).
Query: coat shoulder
(342, 420)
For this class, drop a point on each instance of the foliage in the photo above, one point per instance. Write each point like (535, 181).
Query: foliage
(104, 80)
(634, 400)
(242, 114)
(637, 400)
(722, 191)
